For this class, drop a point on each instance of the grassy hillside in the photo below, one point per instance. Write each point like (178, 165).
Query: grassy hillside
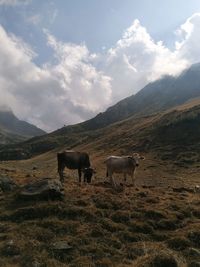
(13, 130)
(7, 137)
(172, 135)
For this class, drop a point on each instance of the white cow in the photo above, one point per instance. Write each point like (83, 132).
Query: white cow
(123, 164)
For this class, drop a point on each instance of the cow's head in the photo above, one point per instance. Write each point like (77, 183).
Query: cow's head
(88, 172)
(137, 157)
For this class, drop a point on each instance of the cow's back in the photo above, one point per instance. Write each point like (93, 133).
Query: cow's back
(119, 164)
(74, 159)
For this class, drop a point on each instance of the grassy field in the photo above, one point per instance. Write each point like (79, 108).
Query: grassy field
(156, 223)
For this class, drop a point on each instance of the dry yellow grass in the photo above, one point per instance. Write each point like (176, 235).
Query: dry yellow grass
(103, 227)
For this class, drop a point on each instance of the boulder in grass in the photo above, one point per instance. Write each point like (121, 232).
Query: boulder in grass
(7, 184)
(46, 188)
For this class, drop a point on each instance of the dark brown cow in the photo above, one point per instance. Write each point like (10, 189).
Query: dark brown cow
(75, 161)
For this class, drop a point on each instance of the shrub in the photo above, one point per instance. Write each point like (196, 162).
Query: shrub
(178, 243)
(163, 260)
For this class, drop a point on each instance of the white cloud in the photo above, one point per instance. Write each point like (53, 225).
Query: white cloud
(188, 46)
(69, 91)
(137, 59)
(77, 85)
(14, 2)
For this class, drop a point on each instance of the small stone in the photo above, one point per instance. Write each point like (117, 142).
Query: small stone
(61, 246)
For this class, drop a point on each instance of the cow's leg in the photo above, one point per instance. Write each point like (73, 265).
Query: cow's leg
(85, 178)
(112, 180)
(79, 175)
(133, 178)
(61, 170)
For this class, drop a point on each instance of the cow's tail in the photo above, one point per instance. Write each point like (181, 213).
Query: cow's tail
(105, 161)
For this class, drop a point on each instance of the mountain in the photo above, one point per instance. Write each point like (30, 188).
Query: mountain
(153, 100)
(157, 96)
(13, 130)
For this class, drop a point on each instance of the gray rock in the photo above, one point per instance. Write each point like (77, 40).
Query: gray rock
(7, 184)
(61, 246)
(46, 188)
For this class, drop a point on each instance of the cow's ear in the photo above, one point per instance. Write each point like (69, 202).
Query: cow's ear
(142, 157)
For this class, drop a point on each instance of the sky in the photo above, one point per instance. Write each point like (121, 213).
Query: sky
(63, 61)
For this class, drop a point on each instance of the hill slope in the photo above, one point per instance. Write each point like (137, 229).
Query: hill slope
(171, 135)
(13, 130)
